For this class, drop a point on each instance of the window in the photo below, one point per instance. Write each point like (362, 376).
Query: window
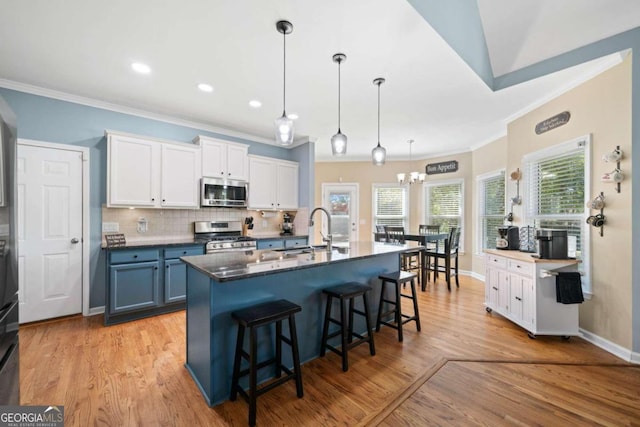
(390, 205)
(491, 208)
(444, 202)
(558, 188)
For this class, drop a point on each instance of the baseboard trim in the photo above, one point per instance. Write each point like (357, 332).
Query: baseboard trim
(611, 347)
(96, 310)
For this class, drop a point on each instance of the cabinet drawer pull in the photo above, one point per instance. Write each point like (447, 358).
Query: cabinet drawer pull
(494, 288)
(519, 299)
(135, 256)
(184, 252)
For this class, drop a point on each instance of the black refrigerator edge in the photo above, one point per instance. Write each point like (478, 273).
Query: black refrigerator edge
(9, 348)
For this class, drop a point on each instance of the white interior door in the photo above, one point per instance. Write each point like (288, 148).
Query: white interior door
(342, 201)
(49, 232)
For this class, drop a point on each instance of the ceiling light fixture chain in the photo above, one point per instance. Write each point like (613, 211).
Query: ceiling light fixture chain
(339, 140)
(284, 125)
(379, 153)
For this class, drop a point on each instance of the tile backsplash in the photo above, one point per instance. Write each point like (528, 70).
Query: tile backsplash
(178, 223)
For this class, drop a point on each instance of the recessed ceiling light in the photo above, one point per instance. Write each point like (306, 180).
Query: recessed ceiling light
(255, 103)
(292, 116)
(141, 68)
(205, 87)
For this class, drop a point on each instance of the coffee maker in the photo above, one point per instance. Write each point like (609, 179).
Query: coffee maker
(287, 224)
(508, 238)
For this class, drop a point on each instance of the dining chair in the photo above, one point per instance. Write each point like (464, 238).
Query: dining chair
(429, 229)
(410, 260)
(380, 235)
(449, 254)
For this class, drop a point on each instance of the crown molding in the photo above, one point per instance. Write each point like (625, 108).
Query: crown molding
(90, 102)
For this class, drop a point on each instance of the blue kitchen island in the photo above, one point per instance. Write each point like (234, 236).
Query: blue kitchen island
(218, 284)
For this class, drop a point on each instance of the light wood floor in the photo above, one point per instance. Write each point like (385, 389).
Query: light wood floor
(466, 367)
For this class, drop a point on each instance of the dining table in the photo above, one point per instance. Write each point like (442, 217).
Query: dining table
(430, 238)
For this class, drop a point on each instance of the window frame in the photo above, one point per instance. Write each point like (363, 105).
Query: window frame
(586, 232)
(439, 183)
(407, 193)
(480, 215)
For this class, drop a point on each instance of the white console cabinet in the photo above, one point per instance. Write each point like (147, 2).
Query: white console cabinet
(517, 287)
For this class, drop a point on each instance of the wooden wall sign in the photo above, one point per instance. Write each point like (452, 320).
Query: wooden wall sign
(442, 167)
(553, 122)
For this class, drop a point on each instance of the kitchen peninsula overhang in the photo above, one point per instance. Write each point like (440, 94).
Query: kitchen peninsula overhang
(231, 266)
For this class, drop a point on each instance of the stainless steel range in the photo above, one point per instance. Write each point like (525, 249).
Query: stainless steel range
(222, 236)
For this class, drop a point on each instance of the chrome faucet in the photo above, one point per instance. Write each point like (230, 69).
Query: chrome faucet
(329, 237)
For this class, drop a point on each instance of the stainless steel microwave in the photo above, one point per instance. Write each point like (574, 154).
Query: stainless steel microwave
(228, 193)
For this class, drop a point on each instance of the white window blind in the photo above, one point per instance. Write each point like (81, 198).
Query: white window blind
(557, 190)
(444, 205)
(491, 208)
(390, 205)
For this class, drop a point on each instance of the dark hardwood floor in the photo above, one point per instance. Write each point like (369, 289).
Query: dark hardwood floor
(466, 367)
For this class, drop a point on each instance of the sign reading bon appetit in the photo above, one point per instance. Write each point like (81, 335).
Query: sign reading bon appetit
(442, 167)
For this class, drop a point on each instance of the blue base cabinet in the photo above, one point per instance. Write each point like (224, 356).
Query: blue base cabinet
(135, 287)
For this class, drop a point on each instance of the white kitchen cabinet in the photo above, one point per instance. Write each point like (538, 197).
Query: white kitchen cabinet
(273, 183)
(222, 159)
(150, 173)
(517, 288)
(180, 176)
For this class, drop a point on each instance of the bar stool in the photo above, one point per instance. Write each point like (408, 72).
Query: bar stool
(346, 292)
(398, 278)
(253, 317)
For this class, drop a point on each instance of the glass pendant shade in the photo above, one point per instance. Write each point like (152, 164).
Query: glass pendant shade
(284, 130)
(378, 155)
(283, 124)
(339, 144)
(339, 140)
(401, 177)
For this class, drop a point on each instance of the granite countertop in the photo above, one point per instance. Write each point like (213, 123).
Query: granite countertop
(151, 243)
(528, 257)
(278, 236)
(229, 266)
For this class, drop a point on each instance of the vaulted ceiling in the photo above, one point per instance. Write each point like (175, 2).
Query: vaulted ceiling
(439, 60)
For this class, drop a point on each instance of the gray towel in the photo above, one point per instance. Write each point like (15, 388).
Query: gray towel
(569, 288)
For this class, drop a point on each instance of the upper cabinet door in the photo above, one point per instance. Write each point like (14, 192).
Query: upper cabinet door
(287, 186)
(134, 171)
(180, 176)
(223, 159)
(262, 183)
(237, 162)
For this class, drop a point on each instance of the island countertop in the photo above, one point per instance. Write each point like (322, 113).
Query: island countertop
(229, 266)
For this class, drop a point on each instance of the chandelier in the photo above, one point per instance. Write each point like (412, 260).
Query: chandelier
(413, 176)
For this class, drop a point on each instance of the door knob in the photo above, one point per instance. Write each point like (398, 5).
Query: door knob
(75, 240)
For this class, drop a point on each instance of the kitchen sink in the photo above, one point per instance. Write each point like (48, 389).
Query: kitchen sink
(310, 249)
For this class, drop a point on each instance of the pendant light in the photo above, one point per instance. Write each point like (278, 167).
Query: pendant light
(339, 140)
(413, 176)
(284, 125)
(378, 154)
